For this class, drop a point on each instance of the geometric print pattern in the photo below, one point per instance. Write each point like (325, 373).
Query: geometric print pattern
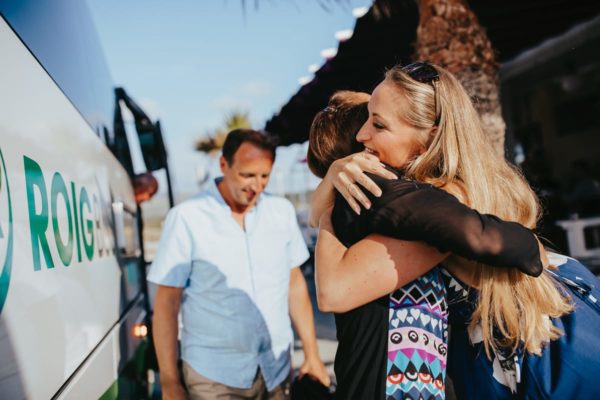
(418, 339)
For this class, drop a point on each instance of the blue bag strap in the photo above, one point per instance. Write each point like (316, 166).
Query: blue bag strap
(576, 284)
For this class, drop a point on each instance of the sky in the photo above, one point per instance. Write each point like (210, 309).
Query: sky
(191, 62)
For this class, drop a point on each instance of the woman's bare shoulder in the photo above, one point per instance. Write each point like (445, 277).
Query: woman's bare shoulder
(457, 190)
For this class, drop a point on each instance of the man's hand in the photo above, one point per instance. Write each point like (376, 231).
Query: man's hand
(314, 368)
(173, 391)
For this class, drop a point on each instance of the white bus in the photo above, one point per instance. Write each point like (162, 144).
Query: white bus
(73, 301)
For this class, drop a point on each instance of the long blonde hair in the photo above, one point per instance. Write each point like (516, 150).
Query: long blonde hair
(514, 305)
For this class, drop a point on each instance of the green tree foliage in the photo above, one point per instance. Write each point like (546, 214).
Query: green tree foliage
(213, 141)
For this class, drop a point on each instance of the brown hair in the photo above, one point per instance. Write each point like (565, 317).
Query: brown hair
(333, 131)
(237, 137)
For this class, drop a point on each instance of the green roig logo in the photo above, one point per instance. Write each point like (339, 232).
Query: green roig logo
(6, 232)
(85, 231)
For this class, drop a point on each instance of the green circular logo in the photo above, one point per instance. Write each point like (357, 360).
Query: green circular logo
(6, 233)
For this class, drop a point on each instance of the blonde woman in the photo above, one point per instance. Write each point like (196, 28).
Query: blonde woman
(510, 329)
(367, 365)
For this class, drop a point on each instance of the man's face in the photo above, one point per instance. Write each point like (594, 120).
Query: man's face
(247, 176)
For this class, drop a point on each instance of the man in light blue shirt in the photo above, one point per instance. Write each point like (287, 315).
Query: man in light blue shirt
(229, 259)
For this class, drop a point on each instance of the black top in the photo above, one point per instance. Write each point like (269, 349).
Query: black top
(411, 210)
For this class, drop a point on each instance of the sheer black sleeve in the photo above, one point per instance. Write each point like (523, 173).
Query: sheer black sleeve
(410, 210)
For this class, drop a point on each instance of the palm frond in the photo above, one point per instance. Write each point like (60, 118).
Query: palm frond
(212, 142)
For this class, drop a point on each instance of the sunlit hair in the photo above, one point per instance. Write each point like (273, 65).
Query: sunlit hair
(237, 137)
(333, 131)
(512, 304)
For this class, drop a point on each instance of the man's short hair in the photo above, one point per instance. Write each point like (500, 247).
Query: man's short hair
(237, 137)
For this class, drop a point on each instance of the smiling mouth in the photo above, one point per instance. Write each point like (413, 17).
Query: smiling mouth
(369, 151)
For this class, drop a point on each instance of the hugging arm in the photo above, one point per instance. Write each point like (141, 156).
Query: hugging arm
(375, 266)
(343, 176)
(414, 211)
(433, 216)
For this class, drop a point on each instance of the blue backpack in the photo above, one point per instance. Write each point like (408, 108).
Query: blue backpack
(568, 368)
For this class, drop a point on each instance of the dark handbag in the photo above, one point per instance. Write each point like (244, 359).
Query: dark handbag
(309, 389)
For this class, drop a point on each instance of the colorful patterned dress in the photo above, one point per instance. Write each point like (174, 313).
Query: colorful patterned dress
(417, 339)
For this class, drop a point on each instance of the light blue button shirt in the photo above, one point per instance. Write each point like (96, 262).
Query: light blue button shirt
(235, 302)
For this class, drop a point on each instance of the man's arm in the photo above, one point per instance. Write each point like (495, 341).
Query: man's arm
(302, 317)
(165, 329)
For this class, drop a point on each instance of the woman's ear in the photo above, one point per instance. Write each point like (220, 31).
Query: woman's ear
(429, 136)
(432, 133)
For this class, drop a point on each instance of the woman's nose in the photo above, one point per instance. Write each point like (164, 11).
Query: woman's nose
(363, 134)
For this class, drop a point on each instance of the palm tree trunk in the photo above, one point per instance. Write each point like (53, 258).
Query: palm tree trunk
(449, 35)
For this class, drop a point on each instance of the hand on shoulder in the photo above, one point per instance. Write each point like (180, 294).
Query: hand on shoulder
(347, 175)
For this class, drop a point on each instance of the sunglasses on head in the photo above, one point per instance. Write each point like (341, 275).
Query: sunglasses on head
(424, 72)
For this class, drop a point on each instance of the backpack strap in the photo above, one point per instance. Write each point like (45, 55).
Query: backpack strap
(579, 281)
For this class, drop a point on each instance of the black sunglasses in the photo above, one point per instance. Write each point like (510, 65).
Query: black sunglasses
(424, 72)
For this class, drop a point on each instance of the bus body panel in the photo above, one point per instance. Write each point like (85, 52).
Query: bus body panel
(98, 375)
(66, 286)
